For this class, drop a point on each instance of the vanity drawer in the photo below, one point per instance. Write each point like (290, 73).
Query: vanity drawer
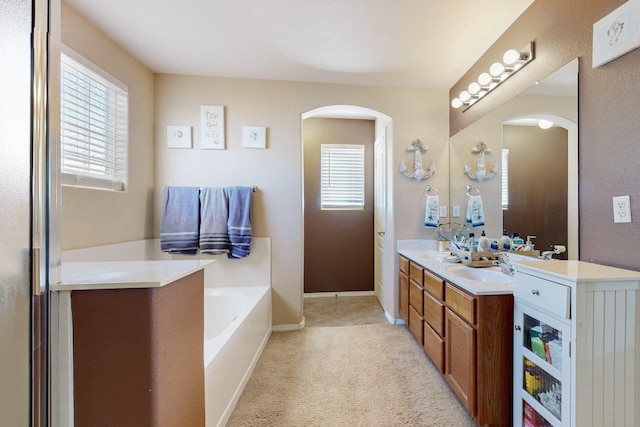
(434, 347)
(415, 272)
(416, 324)
(434, 285)
(415, 296)
(434, 313)
(463, 304)
(404, 265)
(549, 296)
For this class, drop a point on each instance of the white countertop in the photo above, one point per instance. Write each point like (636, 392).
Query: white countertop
(125, 274)
(424, 253)
(578, 270)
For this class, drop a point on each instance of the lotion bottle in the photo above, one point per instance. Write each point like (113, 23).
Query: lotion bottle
(505, 242)
(484, 244)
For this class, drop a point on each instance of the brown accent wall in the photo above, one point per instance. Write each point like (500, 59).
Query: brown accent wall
(537, 184)
(138, 355)
(608, 116)
(338, 245)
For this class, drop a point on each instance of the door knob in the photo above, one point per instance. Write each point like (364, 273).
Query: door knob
(380, 233)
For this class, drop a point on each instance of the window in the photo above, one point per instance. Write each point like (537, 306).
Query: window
(505, 178)
(342, 176)
(93, 125)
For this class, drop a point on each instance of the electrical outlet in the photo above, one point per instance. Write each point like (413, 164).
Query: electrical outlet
(456, 211)
(621, 209)
(443, 211)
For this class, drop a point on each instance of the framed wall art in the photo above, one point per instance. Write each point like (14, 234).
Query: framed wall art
(212, 127)
(179, 136)
(254, 137)
(616, 34)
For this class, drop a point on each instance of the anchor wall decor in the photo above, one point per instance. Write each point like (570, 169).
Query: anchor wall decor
(481, 173)
(418, 173)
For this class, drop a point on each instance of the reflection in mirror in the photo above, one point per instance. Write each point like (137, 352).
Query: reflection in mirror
(535, 191)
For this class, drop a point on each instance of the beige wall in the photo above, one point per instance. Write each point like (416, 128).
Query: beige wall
(95, 217)
(608, 126)
(277, 171)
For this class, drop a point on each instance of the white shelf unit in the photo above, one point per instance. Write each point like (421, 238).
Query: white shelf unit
(576, 345)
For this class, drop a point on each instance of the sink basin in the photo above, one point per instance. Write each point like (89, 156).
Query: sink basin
(486, 275)
(434, 255)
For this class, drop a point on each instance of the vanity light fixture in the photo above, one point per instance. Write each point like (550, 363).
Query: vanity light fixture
(512, 61)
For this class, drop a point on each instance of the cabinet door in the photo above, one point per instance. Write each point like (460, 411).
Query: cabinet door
(403, 284)
(460, 365)
(542, 371)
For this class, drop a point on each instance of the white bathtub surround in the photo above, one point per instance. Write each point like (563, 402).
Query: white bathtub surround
(237, 328)
(238, 321)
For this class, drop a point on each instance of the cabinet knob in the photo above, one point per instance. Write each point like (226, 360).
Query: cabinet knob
(517, 328)
(535, 292)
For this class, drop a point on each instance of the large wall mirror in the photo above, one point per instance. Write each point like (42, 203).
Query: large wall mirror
(530, 146)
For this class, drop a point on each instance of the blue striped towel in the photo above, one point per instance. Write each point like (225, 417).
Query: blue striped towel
(180, 219)
(214, 212)
(240, 231)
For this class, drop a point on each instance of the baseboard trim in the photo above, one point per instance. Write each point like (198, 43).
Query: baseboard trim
(291, 327)
(338, 294)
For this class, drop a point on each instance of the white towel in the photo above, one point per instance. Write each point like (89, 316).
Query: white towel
(432, 211)
(214, 216)
(475, 211)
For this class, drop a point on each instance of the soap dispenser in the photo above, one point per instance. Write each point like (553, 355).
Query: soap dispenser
(505, 242)
(484, 244)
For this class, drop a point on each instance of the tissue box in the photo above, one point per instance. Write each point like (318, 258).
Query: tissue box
(537, 346)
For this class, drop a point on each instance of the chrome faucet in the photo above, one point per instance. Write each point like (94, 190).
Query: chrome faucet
(557, 249)
(504, 263)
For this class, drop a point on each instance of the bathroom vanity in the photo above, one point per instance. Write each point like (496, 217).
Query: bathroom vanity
(137, 342)
(576, 345)
(465, 327)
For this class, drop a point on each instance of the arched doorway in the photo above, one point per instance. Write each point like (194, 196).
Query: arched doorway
(384, 287)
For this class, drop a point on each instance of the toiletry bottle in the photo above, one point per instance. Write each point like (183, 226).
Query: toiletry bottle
(484, 244)
(517, 243)
(528, 246)
(471, 245)
(505, 242)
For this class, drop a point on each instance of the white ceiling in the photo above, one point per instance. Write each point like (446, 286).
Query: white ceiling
(405, 43)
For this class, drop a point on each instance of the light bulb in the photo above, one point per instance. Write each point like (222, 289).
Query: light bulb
(474, 88)
(545, 124)
(484, 79)
(496, 69)
(456, 103)
(465, 96)
(511, 56)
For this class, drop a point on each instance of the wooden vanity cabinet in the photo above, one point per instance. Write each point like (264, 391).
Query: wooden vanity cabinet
(433, 332)
(416, 301)
(469, 338)
(403, 284)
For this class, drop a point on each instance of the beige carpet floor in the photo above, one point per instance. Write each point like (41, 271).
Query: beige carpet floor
(360, 375)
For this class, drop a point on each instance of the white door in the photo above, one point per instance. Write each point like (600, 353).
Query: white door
(379, 220)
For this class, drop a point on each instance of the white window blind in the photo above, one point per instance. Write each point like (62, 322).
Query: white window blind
(342, 176)
(505, 178)
(94, 125)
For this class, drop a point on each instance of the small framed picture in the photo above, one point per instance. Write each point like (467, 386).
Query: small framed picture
(616, 34)
(254, 136)
(212, 127)
(179, 136)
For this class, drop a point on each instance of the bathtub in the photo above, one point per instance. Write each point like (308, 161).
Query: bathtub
(237, 327)
(237, 315)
